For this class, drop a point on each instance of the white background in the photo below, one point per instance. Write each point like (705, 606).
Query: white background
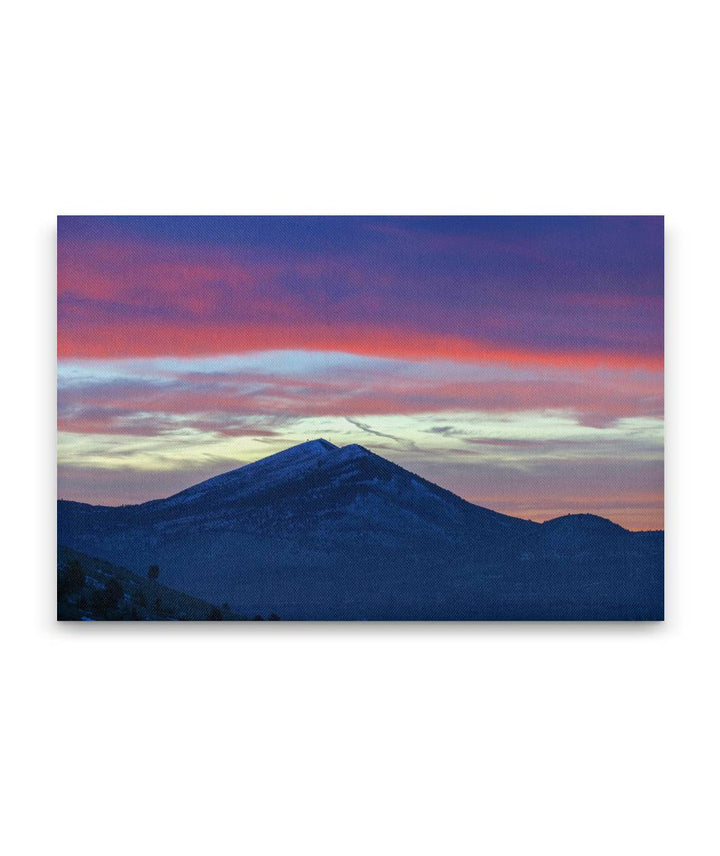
(501, 739)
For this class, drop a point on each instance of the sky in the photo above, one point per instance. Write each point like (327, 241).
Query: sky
(517, 361)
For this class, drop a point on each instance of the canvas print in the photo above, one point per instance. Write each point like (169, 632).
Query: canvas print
(360, 418)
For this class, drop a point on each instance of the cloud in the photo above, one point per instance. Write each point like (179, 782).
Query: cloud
(260, 393)
(585, 292)
(445, 430)
(185, 341)
(403, 441)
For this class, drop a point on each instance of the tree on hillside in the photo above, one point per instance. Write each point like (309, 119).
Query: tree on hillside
(153, 572)
(106, 599)
(73, 579)
(114, 592)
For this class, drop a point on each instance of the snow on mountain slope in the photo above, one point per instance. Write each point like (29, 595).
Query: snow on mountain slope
(282, 466)
(312, 487)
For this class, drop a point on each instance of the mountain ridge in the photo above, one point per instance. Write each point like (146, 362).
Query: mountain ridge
(356, 450)
(323, 531)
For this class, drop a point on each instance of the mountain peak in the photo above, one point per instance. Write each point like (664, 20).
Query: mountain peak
(326, 444)
(320, 444)
(586, 522)
(353, 450)
(299, 454)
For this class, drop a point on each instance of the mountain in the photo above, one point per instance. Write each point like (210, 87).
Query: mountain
(325, 532)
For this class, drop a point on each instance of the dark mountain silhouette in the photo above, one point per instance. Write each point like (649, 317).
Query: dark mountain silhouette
(100, 591)
(322, 532)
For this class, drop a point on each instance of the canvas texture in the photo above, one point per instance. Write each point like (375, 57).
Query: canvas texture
(360, 418)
